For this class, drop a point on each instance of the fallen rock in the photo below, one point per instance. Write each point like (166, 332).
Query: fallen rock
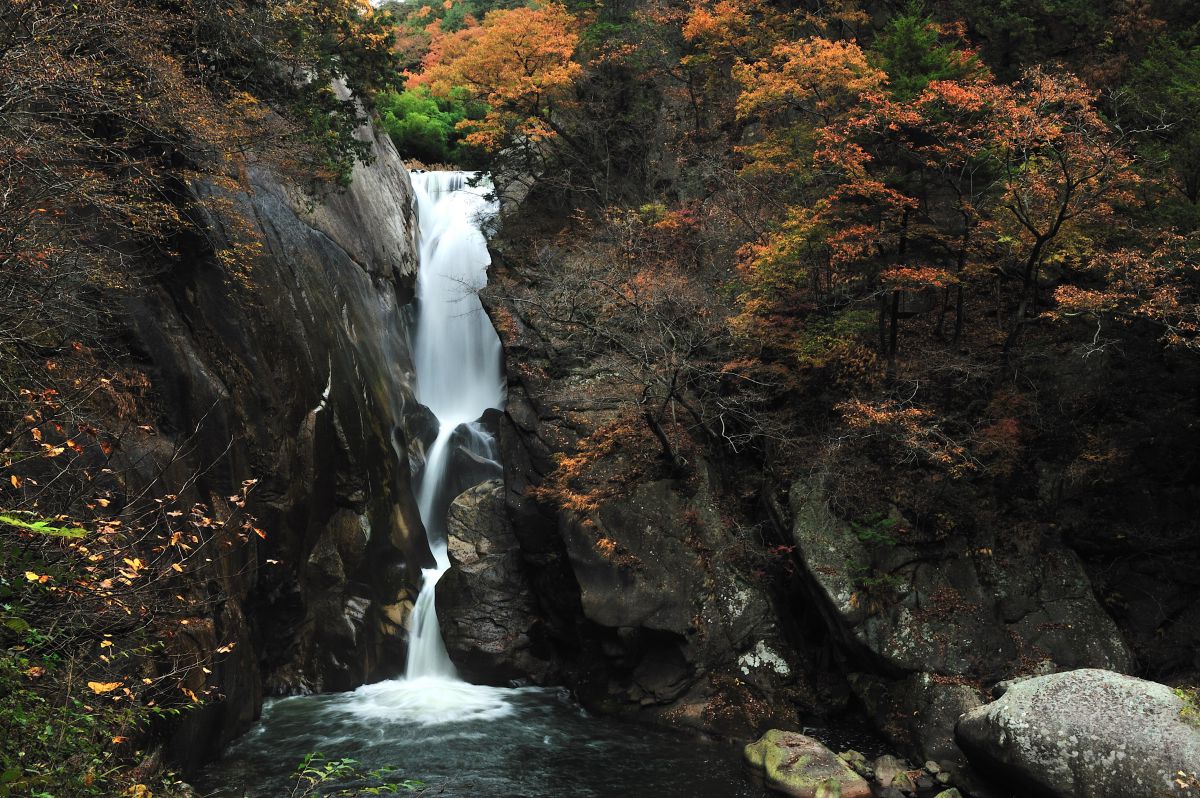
(855, 760)
(904, 783)
(801, 767)
(887, 768)
(1086, 733)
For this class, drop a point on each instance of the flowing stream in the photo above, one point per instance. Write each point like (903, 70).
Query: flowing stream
(464, 739)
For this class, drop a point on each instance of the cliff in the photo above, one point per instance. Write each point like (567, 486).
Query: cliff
(298, 375)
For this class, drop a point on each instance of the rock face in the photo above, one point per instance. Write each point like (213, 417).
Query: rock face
(297, 374)
(801, 767)
(644, 604)
(1085, 734)
(919, 625)
(485, 603)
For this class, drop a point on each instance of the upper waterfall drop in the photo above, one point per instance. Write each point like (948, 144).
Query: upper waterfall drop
(457, 356)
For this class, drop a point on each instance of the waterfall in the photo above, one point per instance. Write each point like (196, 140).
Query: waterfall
(457, 359)
(458, 362)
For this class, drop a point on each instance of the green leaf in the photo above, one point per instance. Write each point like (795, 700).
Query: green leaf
(41, 527)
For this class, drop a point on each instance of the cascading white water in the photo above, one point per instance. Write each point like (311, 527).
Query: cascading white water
(457, 352)
(457, 358)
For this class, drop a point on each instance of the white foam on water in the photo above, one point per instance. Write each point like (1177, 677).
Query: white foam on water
(427, 701)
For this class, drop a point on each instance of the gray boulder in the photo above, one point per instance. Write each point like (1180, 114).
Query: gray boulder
(488, 613)
(924, 620)
(1085, 734)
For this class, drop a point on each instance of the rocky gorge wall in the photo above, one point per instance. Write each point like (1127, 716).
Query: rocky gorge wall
(295, 373)
(647, 607)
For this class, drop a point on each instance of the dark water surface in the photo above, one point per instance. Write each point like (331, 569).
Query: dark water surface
(467, 740)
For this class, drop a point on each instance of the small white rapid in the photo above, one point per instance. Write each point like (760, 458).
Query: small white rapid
(457, 358)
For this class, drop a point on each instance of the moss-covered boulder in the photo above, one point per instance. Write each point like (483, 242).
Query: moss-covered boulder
(799, 766)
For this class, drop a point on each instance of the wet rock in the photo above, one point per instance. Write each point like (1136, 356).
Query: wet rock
(296, 377)
(485, 603)
(951, 793)
(904, 783)
(644, 569)
(855, 760)
(419, 428)
(1084, 734)
(801, 767)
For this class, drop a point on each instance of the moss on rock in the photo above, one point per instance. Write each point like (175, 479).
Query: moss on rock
(801, 767)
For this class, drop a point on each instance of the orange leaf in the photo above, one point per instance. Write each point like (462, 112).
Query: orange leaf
(100, 688)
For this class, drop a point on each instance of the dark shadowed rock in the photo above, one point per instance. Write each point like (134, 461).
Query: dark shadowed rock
(485, 604)
(1085, 734)
(296, 374)
(923, 624)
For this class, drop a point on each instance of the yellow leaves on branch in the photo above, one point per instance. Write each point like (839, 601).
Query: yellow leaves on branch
(902, 277)
(913, 433)
(518, 62)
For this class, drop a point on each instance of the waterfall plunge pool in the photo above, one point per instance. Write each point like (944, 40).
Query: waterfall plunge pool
(469, 740)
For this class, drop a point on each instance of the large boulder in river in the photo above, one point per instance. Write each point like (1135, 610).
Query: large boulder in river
(1085, 734)
(801, 767)
(489, 616)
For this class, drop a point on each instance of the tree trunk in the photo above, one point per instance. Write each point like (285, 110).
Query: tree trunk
(672, 457)
(894, 334)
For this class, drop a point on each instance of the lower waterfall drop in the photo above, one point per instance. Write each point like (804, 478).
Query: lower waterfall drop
(457, 359)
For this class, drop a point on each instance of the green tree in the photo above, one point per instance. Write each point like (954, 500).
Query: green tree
(1164, 88)
(425, 127)
(915, 51)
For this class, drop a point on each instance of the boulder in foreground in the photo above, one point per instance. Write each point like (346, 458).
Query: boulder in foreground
(801, 767)
(1085, 734)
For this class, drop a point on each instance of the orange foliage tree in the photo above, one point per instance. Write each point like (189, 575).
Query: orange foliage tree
(518, 62)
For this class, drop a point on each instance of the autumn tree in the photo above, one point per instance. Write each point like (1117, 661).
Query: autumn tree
(1158, 285)
(518, 62)
(1065, 173)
